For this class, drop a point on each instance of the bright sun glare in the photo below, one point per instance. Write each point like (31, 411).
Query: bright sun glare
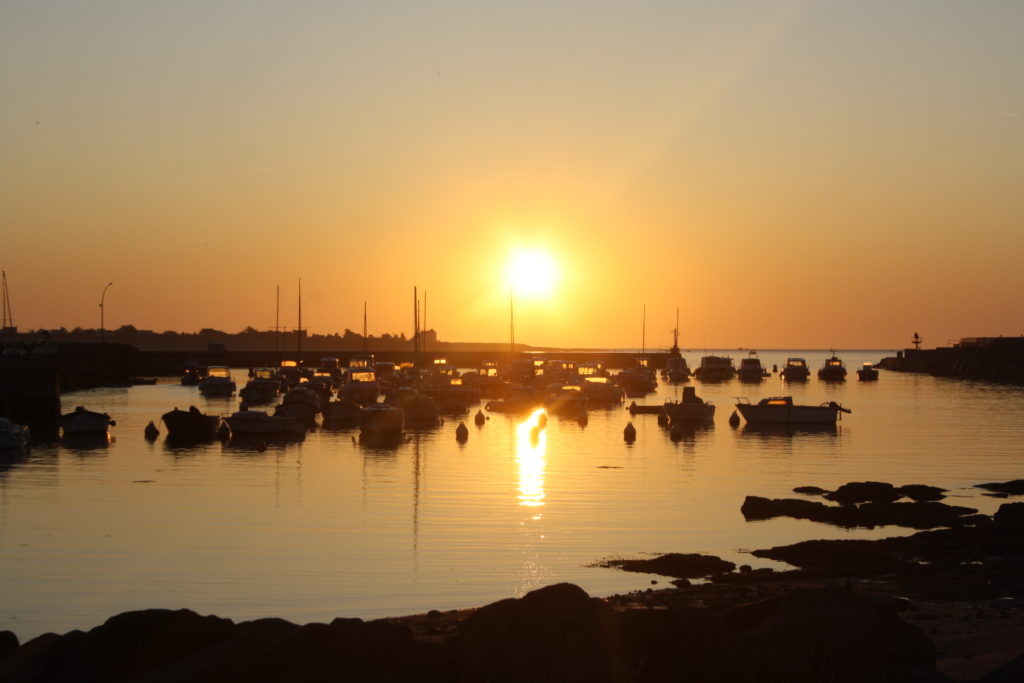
(532, 272)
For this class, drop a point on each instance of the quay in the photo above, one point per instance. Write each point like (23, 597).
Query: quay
(989, 359)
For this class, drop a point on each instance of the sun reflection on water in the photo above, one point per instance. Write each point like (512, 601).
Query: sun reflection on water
(531, 444)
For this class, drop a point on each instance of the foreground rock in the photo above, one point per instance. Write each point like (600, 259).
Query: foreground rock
(1004, 489)
(916, 515)
(676, 565)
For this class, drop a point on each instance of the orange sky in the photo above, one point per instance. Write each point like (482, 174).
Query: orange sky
(789, 174)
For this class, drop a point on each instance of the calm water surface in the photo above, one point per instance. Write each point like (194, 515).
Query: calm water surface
(332, 527)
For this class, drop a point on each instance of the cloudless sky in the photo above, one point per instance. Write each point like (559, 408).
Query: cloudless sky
(788, 174)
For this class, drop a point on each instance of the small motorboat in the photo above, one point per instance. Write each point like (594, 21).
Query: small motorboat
(715, 369)
(795, 370)
(342, 413)
(867, 373)
(190, 425)
(751, 369)
(256, 423)
(637, 409)
(301, 403)
(833, 370)
(82, 422)
(217, 382)
(691, 409)
(12, 436)
(780, 410)
(264, 387)
(381, 419)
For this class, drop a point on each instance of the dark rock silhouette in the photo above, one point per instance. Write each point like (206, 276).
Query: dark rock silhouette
(1006, 488)
(916, 515)
(676, 565)
(864, 492)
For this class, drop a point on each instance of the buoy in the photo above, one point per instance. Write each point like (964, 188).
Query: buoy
(151, 431)
(461, 432)
(542, 420)
(734, 420)
(261, 446)
(629, 433)
(676, 433)
(480, 418)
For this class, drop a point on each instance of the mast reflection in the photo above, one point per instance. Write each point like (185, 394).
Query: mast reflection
(531, 445)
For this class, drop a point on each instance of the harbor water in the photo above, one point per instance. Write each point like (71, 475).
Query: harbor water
(332, 526)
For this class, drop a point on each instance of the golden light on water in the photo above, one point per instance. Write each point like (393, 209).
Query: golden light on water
(531, 444)
(532, 273)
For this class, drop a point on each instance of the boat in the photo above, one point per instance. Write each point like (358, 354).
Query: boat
(600, 391)
(301, 403)
(420, 410)
(342, 413)
(676, 369)
(715, 369)
(381, 419)
(256, 423)
(12, 436)
(566, 400)
(82, 422)
(360, 384)
(192, 376)
(867, 373)
(264, 387)
(637, 409)
(217, 382)
(795, 370)
(780, 410)
(190, 425)
(751, 369)
(833, 370)
(690, 409)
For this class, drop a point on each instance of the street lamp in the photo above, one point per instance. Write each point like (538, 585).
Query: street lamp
(102, 297)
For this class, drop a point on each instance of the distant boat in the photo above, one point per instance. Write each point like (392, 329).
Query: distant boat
(795, 370)
(690, 409)
(217, 382)
(342, 414)
(190, 425)
(751, 369)
(676, 369)
(82, 422)
(867, 373)
(715, 369)
(301, 403)
(833, 370)
(264, 387)
(381, 419)
(780, 410)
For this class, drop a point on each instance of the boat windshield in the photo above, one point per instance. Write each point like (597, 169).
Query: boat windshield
(218, 371)
(362, 375)
(797, 362)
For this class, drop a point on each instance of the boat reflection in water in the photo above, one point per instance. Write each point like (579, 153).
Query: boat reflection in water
(531, 447)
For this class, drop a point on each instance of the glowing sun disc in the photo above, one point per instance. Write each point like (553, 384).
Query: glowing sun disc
(532, 272)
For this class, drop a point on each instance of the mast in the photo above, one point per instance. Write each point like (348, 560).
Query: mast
(365, 345)
(300, 321)
(511, 322)
(277, 325)
(425, 320)
(415, 325)
(7, 324)
(643, 334)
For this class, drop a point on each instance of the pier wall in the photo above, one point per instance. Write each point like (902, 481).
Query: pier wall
(991, 359)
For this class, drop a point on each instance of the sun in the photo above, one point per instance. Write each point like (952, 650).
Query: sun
(532, 273)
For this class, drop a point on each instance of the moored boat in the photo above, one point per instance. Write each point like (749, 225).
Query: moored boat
(381, 419)
(795, 370)
(867, 373)
(13, 436)
(833, 370)
(217, 382)
(264, 387)
(690, 409)
(256, 423)
(83, 422)
(301, 403)
(191, 424)
(780, 410)
(751, 369)
(715, 369)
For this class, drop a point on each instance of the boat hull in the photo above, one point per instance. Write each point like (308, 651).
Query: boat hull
(788, 415)
(689, 412)
(82, 422)
(258, 424)
(190, 425)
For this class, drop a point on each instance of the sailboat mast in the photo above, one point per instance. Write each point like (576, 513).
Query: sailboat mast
(511, 322)
(277, 325)
(643, 333)
(415, 325)
(8, 313)
(300, 321)
(365, 343)
(424, 320)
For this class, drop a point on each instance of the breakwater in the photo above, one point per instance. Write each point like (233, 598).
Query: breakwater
(991, 359)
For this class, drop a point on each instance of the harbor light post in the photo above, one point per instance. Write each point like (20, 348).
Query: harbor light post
(102, 297)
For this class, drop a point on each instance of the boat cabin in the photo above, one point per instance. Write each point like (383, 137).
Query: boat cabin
(219, 371)
(361, 374)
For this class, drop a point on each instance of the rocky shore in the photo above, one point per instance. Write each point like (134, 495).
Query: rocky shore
(945, 604)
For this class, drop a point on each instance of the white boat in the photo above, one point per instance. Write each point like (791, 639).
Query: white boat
(381, 419)
(12, 436)
(250, 423)
(217, 382)
(691, 409)
(780, 410)
(796, 370)
(82, 422)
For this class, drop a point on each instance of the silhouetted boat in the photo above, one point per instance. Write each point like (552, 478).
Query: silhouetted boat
(264, 387)
(676, 369)
(867, 373)
(381, 419)
(342, 413)
(780, 410)
(690, 409)
(82, 422)
(360, 385)
(715, 369)
(751, 369)
(796, 370)
(190, 425)
(217, 382)
(599, 390)
(256, 423)
(301, 403)
(833, 370)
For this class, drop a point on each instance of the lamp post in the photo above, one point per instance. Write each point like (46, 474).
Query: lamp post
(102, 297)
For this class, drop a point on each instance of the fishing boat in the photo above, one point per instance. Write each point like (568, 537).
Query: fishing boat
(690, 409)
(867, 373)
(217, 382)
(12, 436)
(191, 424)
(795, 370)
(676, 369)
(780, 410)
(381, 419)
(82, 422)
(833, 370)
(715, 369)
(256, 423)
(750, 369)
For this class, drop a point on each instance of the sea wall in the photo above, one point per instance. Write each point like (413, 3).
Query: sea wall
(991, 359)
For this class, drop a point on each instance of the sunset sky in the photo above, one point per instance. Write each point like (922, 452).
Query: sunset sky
(788, 174)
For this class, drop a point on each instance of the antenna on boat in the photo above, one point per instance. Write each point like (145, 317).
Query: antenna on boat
(8, 314)
(299, 331)
(277, 325)
(675, 332)
(916, 341)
